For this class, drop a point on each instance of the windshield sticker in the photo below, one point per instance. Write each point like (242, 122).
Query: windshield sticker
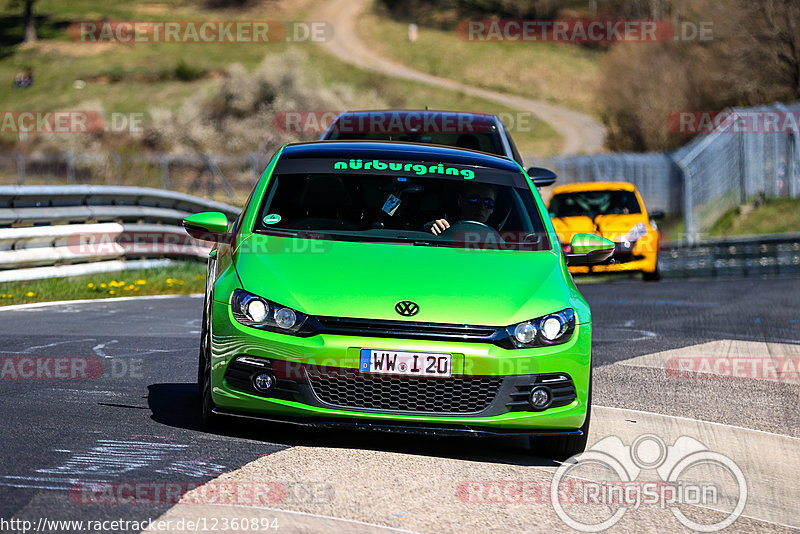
(391, 205)
(272, 218)
(417, 168)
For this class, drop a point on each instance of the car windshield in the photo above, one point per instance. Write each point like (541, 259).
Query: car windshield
(402, 207)
(593, 203)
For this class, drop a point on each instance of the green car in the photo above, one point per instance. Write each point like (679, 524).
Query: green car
(397, 287)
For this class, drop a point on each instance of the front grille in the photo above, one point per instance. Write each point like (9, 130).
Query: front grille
(344, 388)
(559, 383)
(408, 329)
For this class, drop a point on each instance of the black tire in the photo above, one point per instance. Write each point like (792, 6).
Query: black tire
(208, 418)
(652, 276)
(202, 354)
(563, 447)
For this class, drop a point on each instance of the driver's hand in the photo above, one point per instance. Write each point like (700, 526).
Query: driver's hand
(439, 226)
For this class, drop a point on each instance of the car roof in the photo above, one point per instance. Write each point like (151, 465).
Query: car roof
(594, 186)
(406, 112)
(397, 150)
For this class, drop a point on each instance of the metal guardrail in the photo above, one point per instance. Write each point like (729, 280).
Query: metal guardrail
(72, 230)
(760, 255)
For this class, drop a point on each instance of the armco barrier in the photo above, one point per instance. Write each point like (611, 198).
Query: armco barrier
(46, 232)
(71, 230)
(760, 255)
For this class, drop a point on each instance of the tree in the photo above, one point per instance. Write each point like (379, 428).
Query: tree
(30, 22)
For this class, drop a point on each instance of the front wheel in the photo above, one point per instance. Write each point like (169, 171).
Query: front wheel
(208, 418)
(563, 447)
(653, 276)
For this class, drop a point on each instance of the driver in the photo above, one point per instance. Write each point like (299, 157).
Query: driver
(475, 202)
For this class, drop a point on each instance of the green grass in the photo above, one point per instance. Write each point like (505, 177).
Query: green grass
(779, 215)
(540, 139)
(673, 226)
(124, 78)
(562, 74)
(182, 278)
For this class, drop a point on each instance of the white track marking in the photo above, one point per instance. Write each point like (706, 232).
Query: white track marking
(98, 349)
(48, 345)
(32, 305)
(696, 421)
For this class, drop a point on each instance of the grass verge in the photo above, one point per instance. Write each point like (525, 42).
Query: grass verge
(774, 216)
(183, 278)
(562, 74)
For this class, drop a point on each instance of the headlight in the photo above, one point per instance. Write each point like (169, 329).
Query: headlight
(638, 231)
(552, 329)
(258, 312)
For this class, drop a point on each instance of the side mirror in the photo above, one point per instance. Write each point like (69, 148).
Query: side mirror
(588, 249)
(542, 177)
(207, 226)
(657, 215)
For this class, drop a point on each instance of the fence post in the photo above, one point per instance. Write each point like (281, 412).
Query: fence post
(791, 164)
(116, 164)
(163, 162)
(70, 167)
(20, 168)
(742, 169)
(688, 219)
(254, 167)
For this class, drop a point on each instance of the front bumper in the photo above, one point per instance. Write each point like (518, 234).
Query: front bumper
(299, 397)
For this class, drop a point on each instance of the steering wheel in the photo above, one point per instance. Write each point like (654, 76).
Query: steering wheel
(468, 226)
(468, 222)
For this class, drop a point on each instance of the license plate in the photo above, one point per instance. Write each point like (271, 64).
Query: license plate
(406, 363)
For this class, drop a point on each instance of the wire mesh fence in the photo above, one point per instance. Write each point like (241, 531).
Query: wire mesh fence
(209, 175)
(748, 154)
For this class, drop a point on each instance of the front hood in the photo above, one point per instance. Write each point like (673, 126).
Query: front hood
(611, 227)
(366, 280)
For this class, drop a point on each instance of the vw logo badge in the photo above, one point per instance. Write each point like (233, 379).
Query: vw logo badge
(406, 308)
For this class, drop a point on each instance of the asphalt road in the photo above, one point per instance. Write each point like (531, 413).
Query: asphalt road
(127, 411)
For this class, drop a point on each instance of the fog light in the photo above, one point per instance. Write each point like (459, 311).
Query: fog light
(285, 318)
(263, 382)
(541, 397)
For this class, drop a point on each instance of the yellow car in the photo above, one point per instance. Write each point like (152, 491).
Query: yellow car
(615, 211)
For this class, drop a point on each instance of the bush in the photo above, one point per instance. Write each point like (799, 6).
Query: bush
(753, 58)
(186, 73)
(239, 114)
